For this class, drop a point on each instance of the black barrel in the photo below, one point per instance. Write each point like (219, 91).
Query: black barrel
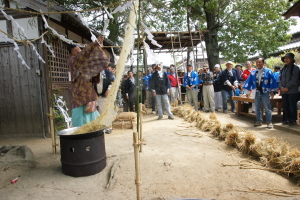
(83, 157)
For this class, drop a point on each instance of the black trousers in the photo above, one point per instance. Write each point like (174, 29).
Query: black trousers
(289, 105)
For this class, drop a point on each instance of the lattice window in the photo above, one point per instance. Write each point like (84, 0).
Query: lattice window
(59, 65)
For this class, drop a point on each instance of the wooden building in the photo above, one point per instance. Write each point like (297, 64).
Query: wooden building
(26, 94)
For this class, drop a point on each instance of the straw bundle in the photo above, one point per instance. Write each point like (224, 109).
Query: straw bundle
(232, 138)
(273, 152)
(276, 147)
(294, 167)
(247, 140)
(213, 116)
(216, 130)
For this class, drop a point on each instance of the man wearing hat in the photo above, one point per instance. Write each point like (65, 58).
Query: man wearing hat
(289, 89)
(263, 81)
(191, 82)
(160, 86)
(217, 88)
(175, 83)
(229, 81)
(85, 65)
(208, 89)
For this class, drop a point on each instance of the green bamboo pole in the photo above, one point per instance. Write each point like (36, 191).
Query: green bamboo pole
(138, 89)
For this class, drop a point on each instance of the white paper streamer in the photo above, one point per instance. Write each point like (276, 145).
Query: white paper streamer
(6, 39)
(105, 26)
(123, 7)
(61, 37)
(150, 36)
(10, 18)
(48, 46)
(115, 56)
(60, 105)
(150, 53)
(109, 15)
(93, 37)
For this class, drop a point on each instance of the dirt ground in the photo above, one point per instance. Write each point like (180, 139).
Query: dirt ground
(172, 166)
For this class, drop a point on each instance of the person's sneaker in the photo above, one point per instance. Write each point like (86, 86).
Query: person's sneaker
(219, 110)
(153, 112)
(171, 117)
(234, 111)
(206, 111)
(257, 124)
(285, 123)
(160, 117)
(269, 125)
(225, 111)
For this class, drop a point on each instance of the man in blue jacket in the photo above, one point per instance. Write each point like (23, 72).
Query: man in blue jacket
(160, 86)
(191, 82)
(263, 81)
(229, 82)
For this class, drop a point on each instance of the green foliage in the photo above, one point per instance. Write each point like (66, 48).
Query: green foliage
(257, 28)
(276, 61)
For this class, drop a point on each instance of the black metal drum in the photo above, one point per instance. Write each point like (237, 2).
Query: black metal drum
(83, 154)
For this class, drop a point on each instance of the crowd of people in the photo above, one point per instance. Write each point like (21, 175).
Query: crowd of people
(203, 89)
(211, 91)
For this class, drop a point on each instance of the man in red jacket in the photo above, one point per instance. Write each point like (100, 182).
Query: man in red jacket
(174, 81)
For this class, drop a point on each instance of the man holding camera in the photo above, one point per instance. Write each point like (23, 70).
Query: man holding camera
(208, 90)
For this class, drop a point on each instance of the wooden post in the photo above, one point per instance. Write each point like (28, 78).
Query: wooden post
(137, 165)
(141, 127)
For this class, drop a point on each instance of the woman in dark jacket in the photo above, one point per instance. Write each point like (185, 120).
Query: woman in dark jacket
(289, 89)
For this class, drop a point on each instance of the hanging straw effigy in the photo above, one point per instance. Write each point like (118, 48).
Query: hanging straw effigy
(110, 112)
(274, 154)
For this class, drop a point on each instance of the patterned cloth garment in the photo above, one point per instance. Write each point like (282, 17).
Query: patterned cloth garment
(84, 66)
(268, 84)
(191, 79)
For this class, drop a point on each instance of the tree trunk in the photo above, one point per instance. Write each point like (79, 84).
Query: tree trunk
(211, 40)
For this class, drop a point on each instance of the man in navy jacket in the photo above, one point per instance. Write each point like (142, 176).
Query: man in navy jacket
(160, 86)
(229, 82)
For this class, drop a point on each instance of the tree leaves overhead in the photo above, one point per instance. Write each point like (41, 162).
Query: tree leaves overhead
(242, 27)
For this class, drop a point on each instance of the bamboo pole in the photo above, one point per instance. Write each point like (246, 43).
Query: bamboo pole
(141, 127)
(53, 136)
(138, 182)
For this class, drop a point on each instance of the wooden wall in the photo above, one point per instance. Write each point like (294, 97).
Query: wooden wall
(23, 96)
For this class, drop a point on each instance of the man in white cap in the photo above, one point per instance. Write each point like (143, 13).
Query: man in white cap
(160, 86)
(191, 82)
(229, 83)
(217, 88)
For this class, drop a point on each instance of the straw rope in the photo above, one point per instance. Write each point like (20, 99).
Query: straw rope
(255, 165)
(272, 191)
(24, 41)
(61, 12)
